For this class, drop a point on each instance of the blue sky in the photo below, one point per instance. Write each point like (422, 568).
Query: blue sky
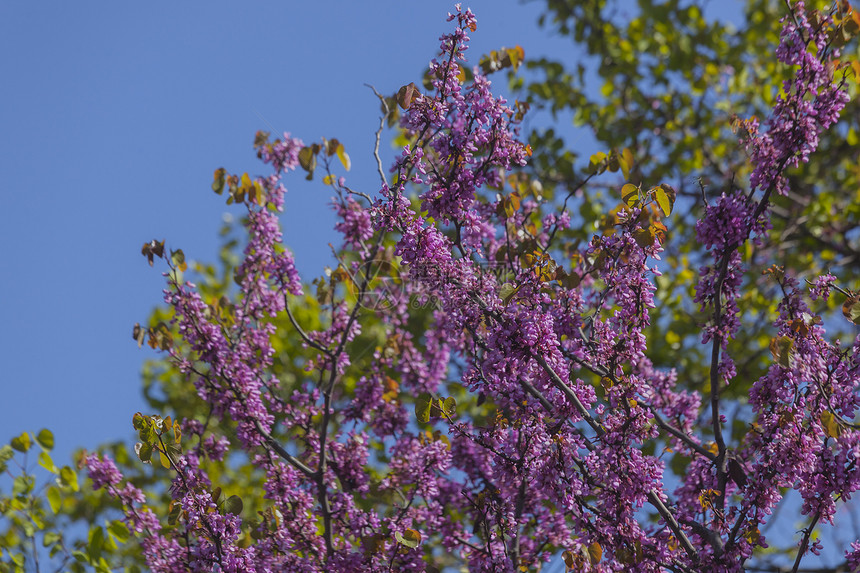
(114, 117)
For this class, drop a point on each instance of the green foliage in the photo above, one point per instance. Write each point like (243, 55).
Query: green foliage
(427, 408)
(163, 436)
(35, 516)
(667, 86)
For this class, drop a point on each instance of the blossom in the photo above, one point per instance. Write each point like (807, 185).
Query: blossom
(567, 457)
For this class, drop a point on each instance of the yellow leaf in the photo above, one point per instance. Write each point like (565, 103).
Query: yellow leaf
(567, 557)
(706, 497)
(780, 348)
(665, 196)
(752, 535)
(630, 194)
(597, 162)
(344, 158)
(830, 424)
(851, 308)
(391, 389)
(627, 156)
(595, 552)
(410, 538)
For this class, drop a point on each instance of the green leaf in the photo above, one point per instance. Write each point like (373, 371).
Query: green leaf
(173, 450)
(607, 89)
(22, 443)
(307, 159)
(507, 292)
(22, 485)
(50, 538)
(233, 505)
(146, 432)
(177, 257)
(449, 406)
(68, 478)
(144, 451)
(422, 408)
(6, 454)
(410, 538)
(118, 530)
(46, 462)
(679, 464)
(80, 556)
(54, 499)
(29, 528)
(96, 542)
(46, 439)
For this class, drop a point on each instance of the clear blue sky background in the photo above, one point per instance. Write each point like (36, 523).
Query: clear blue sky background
(113, 117)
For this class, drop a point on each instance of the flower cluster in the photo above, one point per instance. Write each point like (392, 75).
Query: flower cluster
(369, 462)
(811, 102)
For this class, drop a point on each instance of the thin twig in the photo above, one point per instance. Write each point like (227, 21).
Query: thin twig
(804, 543)
(308, 340)
(382, 121)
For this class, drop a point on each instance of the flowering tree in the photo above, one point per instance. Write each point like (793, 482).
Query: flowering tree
(473, 384)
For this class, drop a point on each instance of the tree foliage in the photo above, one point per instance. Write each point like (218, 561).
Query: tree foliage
(619, 363)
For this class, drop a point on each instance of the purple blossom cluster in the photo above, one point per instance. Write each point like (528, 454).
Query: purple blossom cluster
(791, 445)
(809, 103)
(369, 466)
